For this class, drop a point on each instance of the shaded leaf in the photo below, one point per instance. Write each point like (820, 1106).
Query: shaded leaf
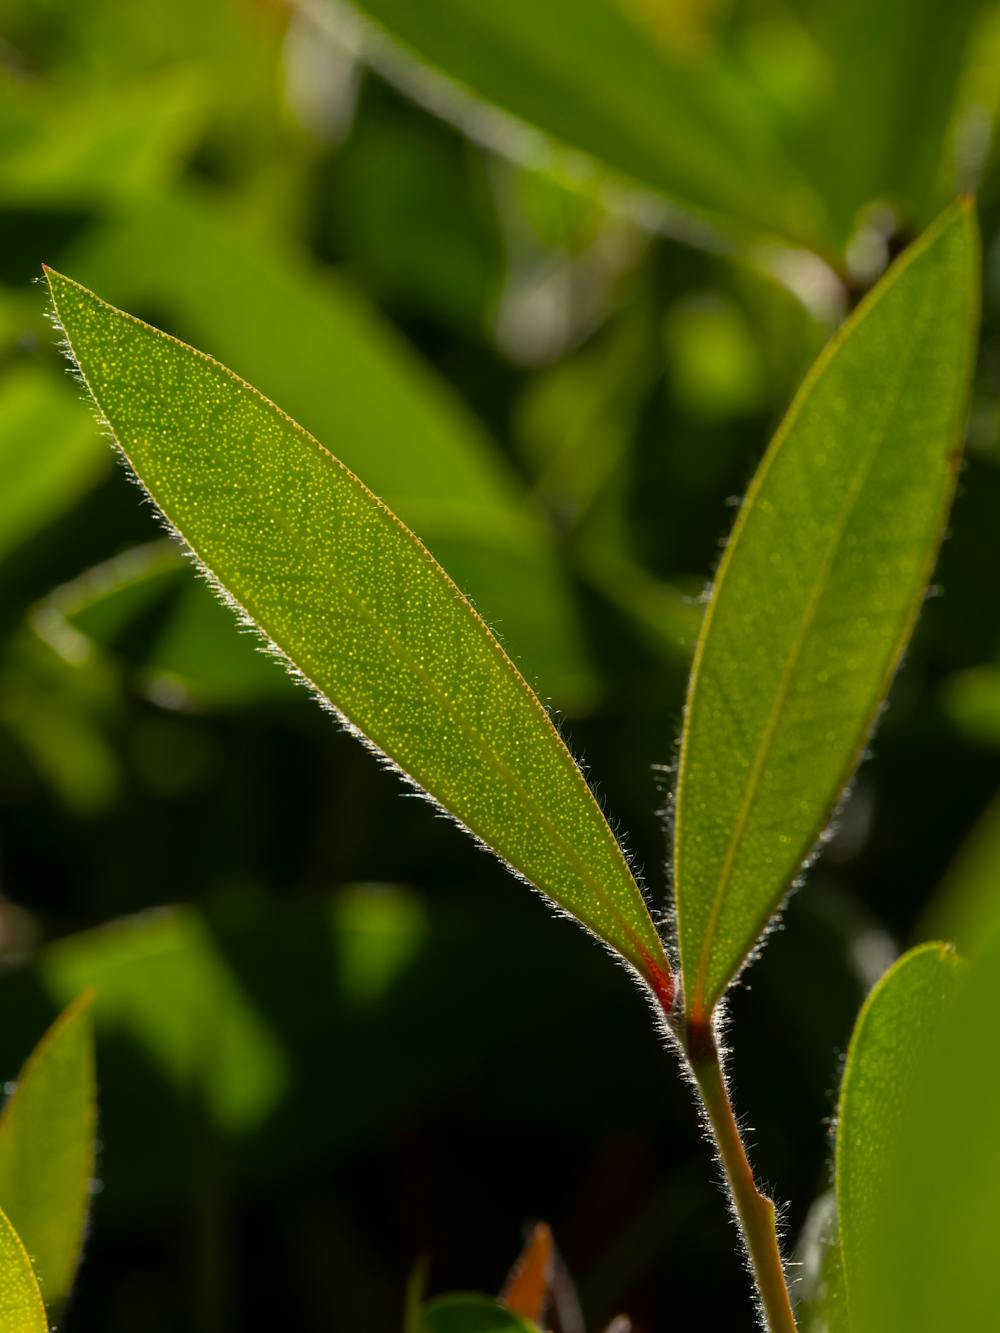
(623, 87)
(815, 599)
(361, 609)
(48, 454)
(967, 892)
(895, 72)
(471, 1314)
(820, 1299)
(21, 1308)
(890, 1045)
(935, 1267)
(143, 607)
(47, 1149)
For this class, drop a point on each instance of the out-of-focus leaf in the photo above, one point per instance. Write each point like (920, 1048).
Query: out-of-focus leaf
(896, 67)
(935, 1266)
(94, 148)
(972, 700)
(820, 1299)
(614, 81)
(893, 1039)
(527, 1289)
(361, 608)
(21, 1308)
(47, 1149)
(815, 599)
(188, 642)
(471, 1314)
(159, 978)
(716, 367)
(48, 454)
(315, 347)
(63, 739)
(970, 890)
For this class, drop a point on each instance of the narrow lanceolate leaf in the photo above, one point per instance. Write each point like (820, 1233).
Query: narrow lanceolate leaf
(360, 608)
(894, 1039)
(47, 1149)
(815, 599)
(21, 1308)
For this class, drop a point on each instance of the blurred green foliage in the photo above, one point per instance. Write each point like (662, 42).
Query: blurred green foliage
(333, 1037)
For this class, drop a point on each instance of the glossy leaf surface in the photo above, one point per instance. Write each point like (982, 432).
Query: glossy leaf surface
(625, 88)
(360, 607)
(47, 1149)
(892, 1041)
(815, 599)
(21, 1308)
(471, 1314)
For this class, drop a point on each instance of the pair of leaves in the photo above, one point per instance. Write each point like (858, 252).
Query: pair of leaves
(814, 602)
(46, 1165)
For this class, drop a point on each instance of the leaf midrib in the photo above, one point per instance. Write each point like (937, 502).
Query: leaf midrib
(798, 646)
(483, 745)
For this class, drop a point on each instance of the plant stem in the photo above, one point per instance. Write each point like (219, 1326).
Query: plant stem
(754, 1211)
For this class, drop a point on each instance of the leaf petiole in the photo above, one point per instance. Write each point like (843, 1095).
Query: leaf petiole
(753, 1211)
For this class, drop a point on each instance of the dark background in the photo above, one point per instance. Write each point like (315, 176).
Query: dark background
(336, 1039)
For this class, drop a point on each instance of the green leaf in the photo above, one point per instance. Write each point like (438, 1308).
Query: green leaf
(935, 1267)
(47, 1149)
(820, 1298)
(969, 888)
(313, 345)
(470, 1314)
(623, 87)
(815, 599)
(971, 698)
(106, 143)
(39, 482)
(21, 1308)
(360, 608)
(895, 73)
(892, 1039)
(188, 647)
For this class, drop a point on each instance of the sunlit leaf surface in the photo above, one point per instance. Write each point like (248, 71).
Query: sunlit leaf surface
(361, 608)
(47, 1149)
(314, 346)
(21, 1308)
(815, 598)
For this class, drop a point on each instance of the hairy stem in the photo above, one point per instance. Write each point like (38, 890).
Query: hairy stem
(754, 1211)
